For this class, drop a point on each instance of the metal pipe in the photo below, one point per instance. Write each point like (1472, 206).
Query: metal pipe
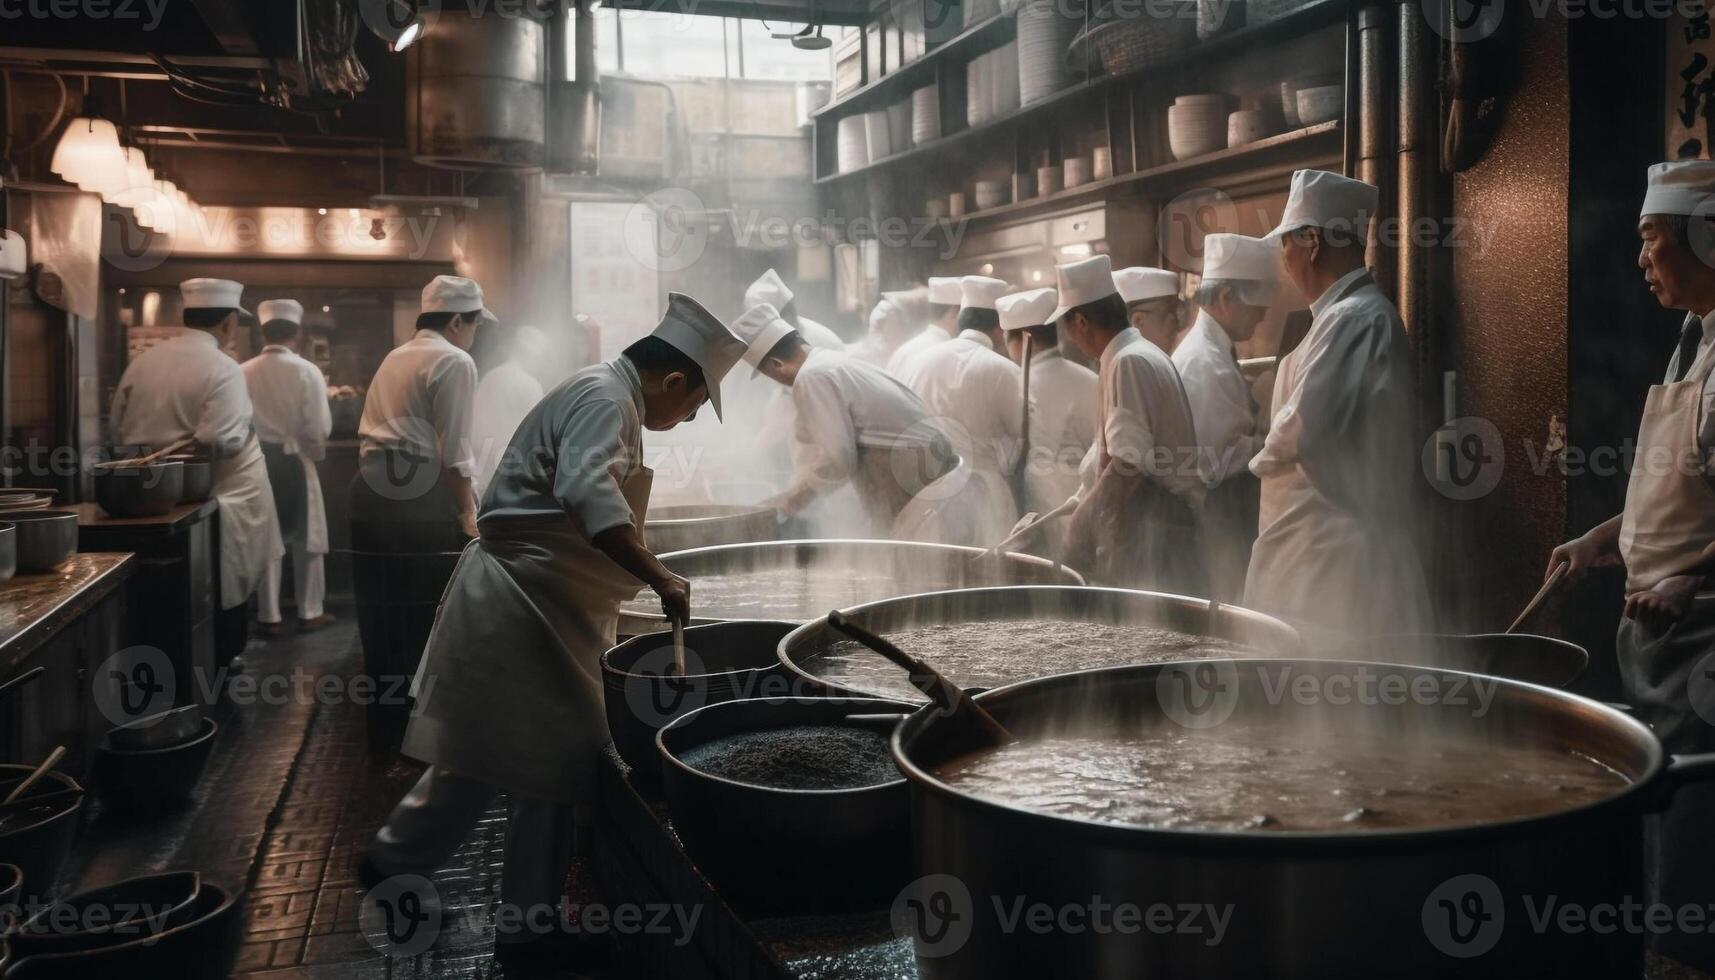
(1417, 170)
(1377, 151)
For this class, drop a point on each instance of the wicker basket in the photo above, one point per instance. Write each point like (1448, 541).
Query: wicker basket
(1132, 44)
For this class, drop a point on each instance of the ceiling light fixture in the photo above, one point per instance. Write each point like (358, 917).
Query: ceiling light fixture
(88, 150)
(393, 21)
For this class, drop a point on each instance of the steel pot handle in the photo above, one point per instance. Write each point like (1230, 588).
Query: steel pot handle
(22, 679)
(1682, 771)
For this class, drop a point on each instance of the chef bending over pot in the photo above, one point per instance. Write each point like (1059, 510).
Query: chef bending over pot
(509, 694)
(944, 296)
(1136, 522)
(1665, 537)
(855, 424)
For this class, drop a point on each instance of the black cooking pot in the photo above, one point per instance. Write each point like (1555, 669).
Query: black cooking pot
(11, 887)
(8, 551)
(724, 662)
(38, 839)
(786, 850)
(122, 912)
(46, 538)
(203, 948)
(1408, 903)
(146, 781)
(1516, 656)
(140, 491)
(198, 478)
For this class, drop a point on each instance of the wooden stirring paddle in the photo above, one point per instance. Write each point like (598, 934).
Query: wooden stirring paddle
(951, 697)
(33, 778)
(1547, 590)
(121, 464)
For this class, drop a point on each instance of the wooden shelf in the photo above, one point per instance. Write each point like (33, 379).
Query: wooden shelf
(1174, 173)
(1311, 16)
(902, 81)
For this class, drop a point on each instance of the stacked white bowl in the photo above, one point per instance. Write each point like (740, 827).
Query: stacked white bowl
(925, 114)
(979, 91)
(899, 125)
(991, 194)
(1044, 33)
(880, 140)
(1003, 73)
(853, 143)
(1197, 124)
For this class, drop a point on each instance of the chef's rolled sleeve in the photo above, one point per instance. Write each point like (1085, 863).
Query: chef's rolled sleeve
(591, 462)
(451, 393)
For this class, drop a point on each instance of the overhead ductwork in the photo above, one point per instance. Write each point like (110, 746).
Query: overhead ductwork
(476, 91)
(574, 90)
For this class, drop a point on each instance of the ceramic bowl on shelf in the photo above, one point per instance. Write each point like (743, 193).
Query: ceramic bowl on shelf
(935, 207)
(1202, 98)
(990, 194)
(925, 114)
(1319, 105)
(1048, 180)
(1101, 163)
(956, 204)
(1246, 126)
(1196, 129)
(1077, 171)
(853, 143)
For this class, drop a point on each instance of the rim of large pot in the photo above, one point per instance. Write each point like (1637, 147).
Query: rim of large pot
(867, 544)
(608, 667)
(801, 635)
(914, 725)
(725, 512)
(880, 706)
(62, 810)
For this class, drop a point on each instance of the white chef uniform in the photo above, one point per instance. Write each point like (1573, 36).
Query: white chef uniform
(505, 395)
(290, 398)
(1669, 519)
(1337, 519)
(943, 291)
(510, 692)
(977, 395)
(887, 321)
(1225, 414)
(1062, 415)
(187, 386)
(1143, 421)
(419, 404)
(780, 423)
(857, 424)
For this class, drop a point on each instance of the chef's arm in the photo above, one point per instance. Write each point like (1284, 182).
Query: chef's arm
(625, 547)
(1596, 547)
(1116, 485)
(464, 497)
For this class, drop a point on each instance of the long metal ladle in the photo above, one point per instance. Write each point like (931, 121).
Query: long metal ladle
(951, 697)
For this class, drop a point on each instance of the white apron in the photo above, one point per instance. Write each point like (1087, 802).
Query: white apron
(509, 691)
(1668, 520)
(316, 518)
(249, 528)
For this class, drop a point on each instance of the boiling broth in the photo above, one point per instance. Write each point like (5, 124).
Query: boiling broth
(991, 653)
(1245, 778)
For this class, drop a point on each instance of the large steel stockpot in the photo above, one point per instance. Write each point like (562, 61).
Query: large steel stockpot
(681, 527)
(1006, 891)
(1000, 605)
(869, 569)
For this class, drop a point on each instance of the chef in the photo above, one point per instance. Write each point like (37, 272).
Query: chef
(504, 396)
(1135, 525)
(1665, 538)
(1335, 552)
(944, 298)
(977, 393)
(1062, 407)
(1152, 303)
(769, 288)
(188, 387)
(293, 421)
(509, 692)
(859, 425)
(896, 317)
(1239, 282)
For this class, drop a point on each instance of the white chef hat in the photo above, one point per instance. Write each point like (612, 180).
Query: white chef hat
(455, 294)
(1142, 282)
(768, 288)
(1319, 199)
(213, 294)
(885, 309)
(1240, 257)
(912, 304)
(1083, 281)
(760, 328)
(696, 333)
(980, 292)
(1031, 308)
(944, 290)
(1682, 187)
(280, 309)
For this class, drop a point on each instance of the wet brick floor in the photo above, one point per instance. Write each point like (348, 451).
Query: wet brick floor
(292, 795)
